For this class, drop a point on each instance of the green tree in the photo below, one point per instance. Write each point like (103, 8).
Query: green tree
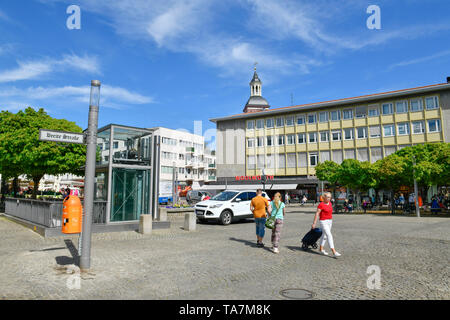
(36, 158)
(357, 175)
(328, 171)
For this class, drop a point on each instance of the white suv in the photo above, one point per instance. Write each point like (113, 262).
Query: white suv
(226, 206)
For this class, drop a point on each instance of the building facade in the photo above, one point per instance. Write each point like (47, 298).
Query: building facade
(289, 142)
(185, 152)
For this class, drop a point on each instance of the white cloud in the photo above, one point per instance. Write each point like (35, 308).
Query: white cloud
(420, 60)
(33, 69)
(111, 97)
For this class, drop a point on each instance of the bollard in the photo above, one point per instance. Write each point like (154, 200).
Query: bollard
(190, 221)
(162, 214)
(145, 224)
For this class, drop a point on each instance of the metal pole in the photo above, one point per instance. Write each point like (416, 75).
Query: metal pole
(416, 195)
(91, 141)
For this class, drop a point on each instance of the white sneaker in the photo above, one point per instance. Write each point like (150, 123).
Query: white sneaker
(337, 254)
(275, 250)
(324, 252)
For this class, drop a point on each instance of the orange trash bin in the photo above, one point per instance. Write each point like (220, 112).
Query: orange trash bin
(72, 215)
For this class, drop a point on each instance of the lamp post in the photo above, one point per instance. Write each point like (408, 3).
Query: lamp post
(91, 142)
(263, 179)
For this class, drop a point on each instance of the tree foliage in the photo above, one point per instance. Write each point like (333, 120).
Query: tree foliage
(21, 151)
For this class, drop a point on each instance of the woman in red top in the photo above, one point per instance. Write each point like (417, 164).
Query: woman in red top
(325, 211)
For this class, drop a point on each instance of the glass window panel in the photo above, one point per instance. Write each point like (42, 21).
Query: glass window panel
(260, 124)
(401, 106)
(290, 121)
(302, 160)
(251, 164)
(375, 131)
(431, 102)
(312, 137)
(324, 136)
(313, 159)
(387, 108)
(301, 119)
(363, 154)
(389, 130)
(291, 160)
(250, 143)
(403, 128)
(260, 141)
(269, 141)
(250, 125)
(349, 153)
(260, 161)
(434, 125)
(374, 112)
(375, 154)
(348, 114)
(291, 139)
(361, 132)
(416, 105)
(337, 156)
(361, 112)
(280, 122)
(389, 150)
(280, 140)
(348, 134)
(325, 156)
(335, 115)
(312, 118)
(269, 123)
(281, 161)
(336, 135)
(418, 127)
(323, 116)
(301, 138)
(270, 161)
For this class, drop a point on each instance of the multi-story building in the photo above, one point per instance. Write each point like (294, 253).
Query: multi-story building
(288, 142)
(186, 152)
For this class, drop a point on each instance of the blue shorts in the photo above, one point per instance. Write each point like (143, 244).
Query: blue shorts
(260, 226)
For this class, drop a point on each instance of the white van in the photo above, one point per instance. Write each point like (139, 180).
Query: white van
(227, 206)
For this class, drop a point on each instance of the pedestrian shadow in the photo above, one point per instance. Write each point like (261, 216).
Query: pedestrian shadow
(310, 251)
(246, 242)
(74, 259)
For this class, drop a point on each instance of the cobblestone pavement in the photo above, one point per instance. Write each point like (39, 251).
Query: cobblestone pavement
(222, 262)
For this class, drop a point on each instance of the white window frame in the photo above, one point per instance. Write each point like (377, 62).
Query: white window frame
(365, 132)
(422, 127)
(326, 116)
(438, 121)
(276, 122)
(420, 100)
(352, 131)
(405, 102)
(315, 117)
(315, 137)
(251, 121)
(338, 112)
(364, 115)
(435, 102)
(379, 136)
(302, 116)
(248, 143)
(391, 108)
(257, 142)
(278, 140)
(273, 123)
(336, 131)
(271, 141)
(256, 125)
(304, 138)
(286, 121)
(327, 134)
(287, 139)
(393, 130)
(373, 108)
(351, 114)
(407, 126)
(310, 156)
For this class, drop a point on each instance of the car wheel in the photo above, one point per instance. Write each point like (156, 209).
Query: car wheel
(226, 217)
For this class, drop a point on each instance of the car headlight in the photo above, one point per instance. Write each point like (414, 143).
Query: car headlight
(216, 206)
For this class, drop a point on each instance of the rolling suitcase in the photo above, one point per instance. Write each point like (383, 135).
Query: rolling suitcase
(310, 239)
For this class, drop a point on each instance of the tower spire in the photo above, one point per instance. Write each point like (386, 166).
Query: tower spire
(256, 102)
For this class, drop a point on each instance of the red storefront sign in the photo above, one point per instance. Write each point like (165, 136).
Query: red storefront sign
(254, 178)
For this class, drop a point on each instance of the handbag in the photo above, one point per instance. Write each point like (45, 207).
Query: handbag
(270, 223)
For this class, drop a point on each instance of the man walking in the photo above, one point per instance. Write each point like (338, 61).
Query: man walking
(258, 207)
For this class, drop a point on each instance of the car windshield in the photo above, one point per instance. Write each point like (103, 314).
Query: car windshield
(224, 196)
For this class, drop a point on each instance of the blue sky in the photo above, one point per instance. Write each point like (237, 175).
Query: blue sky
(169, 63)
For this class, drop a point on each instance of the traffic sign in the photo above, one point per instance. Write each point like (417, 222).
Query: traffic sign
(61, 136)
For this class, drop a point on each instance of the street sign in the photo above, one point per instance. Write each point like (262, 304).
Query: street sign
(61, 136)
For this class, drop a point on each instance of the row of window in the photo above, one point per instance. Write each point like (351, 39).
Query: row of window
(166, 169)
(417, 127)
(346, 114)
(305, 159)
(183, 143)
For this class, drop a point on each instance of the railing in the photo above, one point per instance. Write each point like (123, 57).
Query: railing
(47, 213)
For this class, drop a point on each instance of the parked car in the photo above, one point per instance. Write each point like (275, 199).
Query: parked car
(194, 196)
(227, 206)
